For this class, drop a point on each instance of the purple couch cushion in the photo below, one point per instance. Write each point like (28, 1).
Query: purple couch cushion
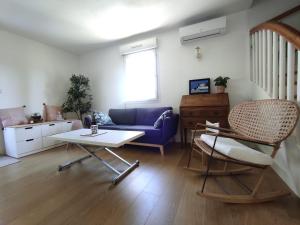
(148, 116)
(123, 116)
(149, 130)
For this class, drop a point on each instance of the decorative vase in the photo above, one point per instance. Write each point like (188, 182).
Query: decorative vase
(220, 89)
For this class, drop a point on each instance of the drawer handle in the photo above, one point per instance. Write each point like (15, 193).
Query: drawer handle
(27, 128)
(29, 140)
(52, 124)
(69, 122)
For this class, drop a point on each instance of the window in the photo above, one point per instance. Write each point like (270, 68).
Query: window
(141, 76)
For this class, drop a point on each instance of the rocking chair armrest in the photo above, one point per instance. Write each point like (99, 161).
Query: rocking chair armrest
(198, 125)
(243, 138)
(196, 132)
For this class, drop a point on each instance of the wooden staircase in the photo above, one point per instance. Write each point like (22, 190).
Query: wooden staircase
(275, 58)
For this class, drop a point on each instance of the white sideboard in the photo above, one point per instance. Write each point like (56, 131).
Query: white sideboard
(22, 140)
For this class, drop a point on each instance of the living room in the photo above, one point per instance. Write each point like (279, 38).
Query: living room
(44, 43)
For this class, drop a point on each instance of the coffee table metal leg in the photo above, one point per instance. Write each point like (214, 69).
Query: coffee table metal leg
(100, 159)
(126, 172)
(120, 174)
(69, 164)
(119, 157)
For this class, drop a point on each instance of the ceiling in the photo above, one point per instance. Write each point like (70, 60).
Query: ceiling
(79, 25)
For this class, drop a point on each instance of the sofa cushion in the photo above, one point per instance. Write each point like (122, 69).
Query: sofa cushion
(149, 130)
(236, 150)
(102, 118)
(123, 116)
(158, 123)
(148, 116)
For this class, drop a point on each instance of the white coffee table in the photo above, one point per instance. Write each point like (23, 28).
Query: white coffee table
(105, 139)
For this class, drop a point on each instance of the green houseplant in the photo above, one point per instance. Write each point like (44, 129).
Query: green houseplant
(221, 84)
(78, 101)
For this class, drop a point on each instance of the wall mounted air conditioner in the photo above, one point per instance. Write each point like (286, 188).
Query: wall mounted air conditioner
(137, 46)
(209, 28)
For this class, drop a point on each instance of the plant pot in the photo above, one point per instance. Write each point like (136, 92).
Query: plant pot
(220, 89)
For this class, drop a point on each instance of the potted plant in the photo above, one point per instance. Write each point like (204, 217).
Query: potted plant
(79, 99)
(221, 84)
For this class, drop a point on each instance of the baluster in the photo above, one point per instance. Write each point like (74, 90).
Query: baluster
(298, 77)
(282, 67)
(264, 58)
(260, 59)
(257, 58)
(275, 65)
(290, 72)
(252, 75)
(269, 62)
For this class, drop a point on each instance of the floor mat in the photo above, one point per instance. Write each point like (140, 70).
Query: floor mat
(6, 160)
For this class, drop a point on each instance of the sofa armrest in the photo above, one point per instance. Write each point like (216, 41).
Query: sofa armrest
(169, 127)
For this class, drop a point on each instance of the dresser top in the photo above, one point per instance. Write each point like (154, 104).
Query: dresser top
(36, 124)
(204, 100)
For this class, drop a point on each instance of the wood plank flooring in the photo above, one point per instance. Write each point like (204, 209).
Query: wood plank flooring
(159, 192)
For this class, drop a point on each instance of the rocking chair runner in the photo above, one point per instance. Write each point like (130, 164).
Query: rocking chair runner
(265, 122)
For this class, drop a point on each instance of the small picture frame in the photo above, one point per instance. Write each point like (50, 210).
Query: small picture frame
(199, 86)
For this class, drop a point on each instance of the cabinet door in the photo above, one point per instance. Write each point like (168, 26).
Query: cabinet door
(29, 145)
(50, 129)
(47, 142)
(25, 133)
(65, 126)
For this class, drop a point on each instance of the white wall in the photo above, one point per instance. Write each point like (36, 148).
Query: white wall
(293, 20)
(32, 73)
(177, 64)
(264, 10)
(226, 55)
(287, 162)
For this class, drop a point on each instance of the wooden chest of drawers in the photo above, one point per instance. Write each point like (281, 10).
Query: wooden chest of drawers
(199, 108)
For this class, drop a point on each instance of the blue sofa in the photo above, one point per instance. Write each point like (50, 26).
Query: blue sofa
(143, 119)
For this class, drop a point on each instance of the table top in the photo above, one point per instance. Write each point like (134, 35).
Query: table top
(107, 138)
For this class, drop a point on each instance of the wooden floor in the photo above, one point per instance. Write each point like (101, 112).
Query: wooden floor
(159, 192)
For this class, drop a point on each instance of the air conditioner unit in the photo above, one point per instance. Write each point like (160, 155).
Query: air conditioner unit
(209, 28)
(137, 46)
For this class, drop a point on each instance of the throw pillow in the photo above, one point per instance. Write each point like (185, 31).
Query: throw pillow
(8, 122)
(12, 116)
(102, 118)
(158, 123)
(214, 125)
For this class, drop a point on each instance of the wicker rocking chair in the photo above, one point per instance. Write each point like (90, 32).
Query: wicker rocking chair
(265, 122)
